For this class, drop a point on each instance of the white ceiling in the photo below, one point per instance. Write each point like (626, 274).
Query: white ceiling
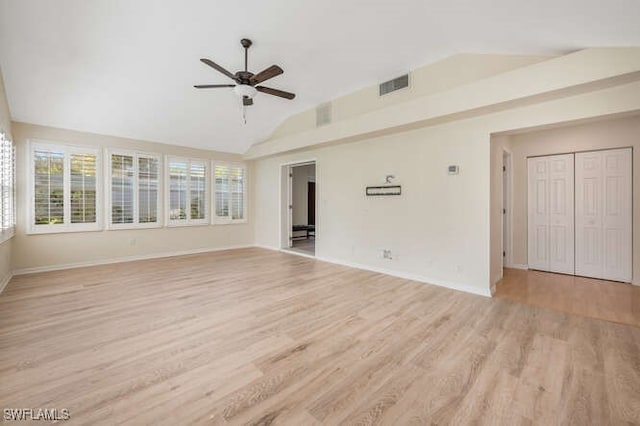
(126, 67)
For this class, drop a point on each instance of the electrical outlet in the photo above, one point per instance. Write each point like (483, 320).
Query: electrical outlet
(386, 254)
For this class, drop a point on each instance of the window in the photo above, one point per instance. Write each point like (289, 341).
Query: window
(230, 193)
(187, 191)
(65, 188)
(134, 183)
(7, 188)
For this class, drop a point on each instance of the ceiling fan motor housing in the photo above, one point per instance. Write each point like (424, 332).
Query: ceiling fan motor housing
(244, 77)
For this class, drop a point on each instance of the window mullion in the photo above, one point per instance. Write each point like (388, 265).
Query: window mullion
(229, 195)
(66, 192)
(136, 189)
(188, 191)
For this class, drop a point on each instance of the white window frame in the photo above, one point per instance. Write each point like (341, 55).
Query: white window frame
(227, 220)
(67, 226)
(167, 192)
(136, 190)
(8, 232)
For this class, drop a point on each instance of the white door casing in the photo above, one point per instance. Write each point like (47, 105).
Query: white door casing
(603, 214)
(290, 205)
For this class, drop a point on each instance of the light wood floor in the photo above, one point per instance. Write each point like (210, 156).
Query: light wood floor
(608, 300)
(259, 337)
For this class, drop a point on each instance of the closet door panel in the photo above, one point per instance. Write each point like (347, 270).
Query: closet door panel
(550, 213)
(538, 215)
(561, 214)
(589, 261)
(617, 214)
(603, 214)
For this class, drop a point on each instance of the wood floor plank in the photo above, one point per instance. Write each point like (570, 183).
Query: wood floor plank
(253, 336)
(593, 298)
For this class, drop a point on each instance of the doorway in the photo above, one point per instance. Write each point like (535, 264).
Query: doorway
(299, 202)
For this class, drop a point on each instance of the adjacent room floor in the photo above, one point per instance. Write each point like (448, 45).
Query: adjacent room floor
(307, 246)
(608, 300)
(256, 336)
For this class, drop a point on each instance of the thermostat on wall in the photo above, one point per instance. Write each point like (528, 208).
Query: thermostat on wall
(453, 170)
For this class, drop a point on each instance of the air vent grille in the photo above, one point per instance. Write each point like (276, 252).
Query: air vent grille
(323, 114)
(395, 84)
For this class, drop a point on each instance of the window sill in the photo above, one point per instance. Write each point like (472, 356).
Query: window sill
(131, 226)
(230, 222)
(187, 224)
(62, 230)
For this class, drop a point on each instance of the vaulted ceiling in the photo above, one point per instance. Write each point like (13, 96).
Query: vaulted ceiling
(126, 67)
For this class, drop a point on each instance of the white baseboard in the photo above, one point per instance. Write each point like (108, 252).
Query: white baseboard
(518, 266)
(494, 283)
(399, 274)
(420, 278)
(5, 281)
(60, 267)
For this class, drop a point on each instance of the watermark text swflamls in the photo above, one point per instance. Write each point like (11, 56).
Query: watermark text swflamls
(36, 414)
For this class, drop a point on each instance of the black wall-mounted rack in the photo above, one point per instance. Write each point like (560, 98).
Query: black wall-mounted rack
(374, 191)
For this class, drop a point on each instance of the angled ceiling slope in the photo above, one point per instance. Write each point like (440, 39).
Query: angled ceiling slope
(126, 68)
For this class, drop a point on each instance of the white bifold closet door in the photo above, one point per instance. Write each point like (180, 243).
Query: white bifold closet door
(551, 219)
(603, 214)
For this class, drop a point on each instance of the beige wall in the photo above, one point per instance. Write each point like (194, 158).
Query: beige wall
(33, 252)
(6, 247)
(302, 175)
(609, 133)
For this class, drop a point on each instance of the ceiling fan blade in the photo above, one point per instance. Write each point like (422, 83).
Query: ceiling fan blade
(247, 101)
(275, 92)
(265, 75)
(217, 68)
(212, 86)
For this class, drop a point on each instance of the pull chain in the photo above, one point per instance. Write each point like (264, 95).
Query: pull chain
(244, 113)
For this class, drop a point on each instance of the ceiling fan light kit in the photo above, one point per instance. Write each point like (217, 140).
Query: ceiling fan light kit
(246, 81)
(245, 90)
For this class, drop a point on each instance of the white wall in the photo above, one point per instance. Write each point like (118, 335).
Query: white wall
(6, 247)
(302, 175)
(602, 134)
(39, 252)
(444, 230)
(428, 229)
(439, 229)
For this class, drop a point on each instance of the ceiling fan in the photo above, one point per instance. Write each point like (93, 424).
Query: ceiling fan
(245, 80)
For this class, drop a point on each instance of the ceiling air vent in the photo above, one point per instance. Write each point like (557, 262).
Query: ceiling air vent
(323, 114)
(395, 84)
